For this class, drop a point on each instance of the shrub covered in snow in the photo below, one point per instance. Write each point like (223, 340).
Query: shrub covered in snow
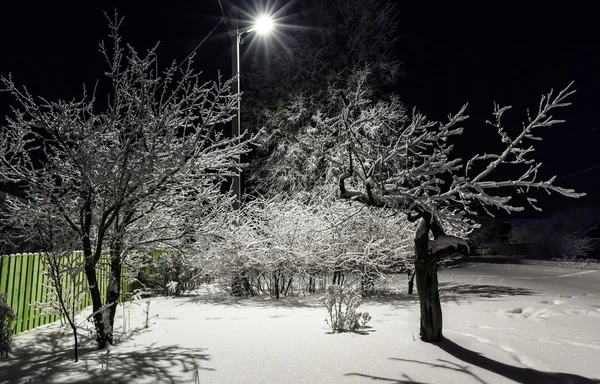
(7, 316)
(277, 246)
(171, 273)
(562, 235)
(172, 287)
(341, 303)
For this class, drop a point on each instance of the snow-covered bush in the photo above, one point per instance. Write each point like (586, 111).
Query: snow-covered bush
(170, 273)
(7, 316)
(276, 246)
(573, 245)
(486, 233)
(341, 303)
(562, 235)
(172, 287)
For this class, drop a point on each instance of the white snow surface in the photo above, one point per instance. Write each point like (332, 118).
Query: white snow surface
(495, 332)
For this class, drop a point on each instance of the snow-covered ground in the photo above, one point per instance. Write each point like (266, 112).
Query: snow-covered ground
(500, 327)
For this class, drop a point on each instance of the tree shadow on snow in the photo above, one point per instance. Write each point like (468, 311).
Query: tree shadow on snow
(457, 292)
(394, 299)
(444, 364)
(35, 353)
(42, 357)
(404, 380)
(451, 292)
(301, 301)
(216, 299)
(170, 364)
(475, 359)
(516, 374)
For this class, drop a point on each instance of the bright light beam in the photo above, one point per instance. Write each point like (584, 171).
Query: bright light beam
(263, 25)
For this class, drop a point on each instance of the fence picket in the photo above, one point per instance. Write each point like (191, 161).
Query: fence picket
(23, 278)
(27, 310)
(14, 303)
(4, 274)
(21, 294)
(39, 280)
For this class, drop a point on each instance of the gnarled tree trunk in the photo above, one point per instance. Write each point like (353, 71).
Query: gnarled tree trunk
(427, 285)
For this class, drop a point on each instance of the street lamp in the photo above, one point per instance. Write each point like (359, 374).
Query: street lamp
(262, 25)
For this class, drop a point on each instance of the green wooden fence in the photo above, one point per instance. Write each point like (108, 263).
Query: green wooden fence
(23, 278)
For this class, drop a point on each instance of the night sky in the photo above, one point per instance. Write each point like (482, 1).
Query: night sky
(473, 52)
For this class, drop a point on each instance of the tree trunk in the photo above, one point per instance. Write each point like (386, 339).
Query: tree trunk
(90, 273)
(367, 284)
(276, 285)
(411, 282)
(427, 286)
(114, 290)
(76, 344)
(338, 278)
(238, 285)
(248, 286)
(287, 289)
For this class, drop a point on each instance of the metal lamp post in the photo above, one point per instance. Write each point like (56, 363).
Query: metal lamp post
(262, 25)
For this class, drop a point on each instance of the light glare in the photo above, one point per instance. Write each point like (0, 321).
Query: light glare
(263, 24)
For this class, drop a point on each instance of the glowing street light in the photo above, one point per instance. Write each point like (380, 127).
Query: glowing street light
(263, 25)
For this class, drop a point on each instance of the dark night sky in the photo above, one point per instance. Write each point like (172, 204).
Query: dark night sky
(476, 52)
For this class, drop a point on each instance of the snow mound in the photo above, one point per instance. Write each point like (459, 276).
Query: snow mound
(448, 241)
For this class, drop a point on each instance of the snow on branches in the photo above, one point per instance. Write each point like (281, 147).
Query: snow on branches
(157, 144)
(405, 161)
(137, 165)
(338, 37)
(276, 239)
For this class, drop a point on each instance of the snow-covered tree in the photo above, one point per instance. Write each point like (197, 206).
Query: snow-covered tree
(335, 125)
(404, 162)
(298, 79)
(136, 165)
(298, 82)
